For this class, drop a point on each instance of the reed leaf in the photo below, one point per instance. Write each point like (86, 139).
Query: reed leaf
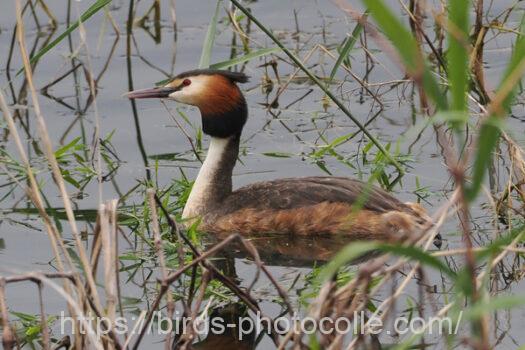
(245, 58)
(506, 302)
(489, 134)
(345, 256)
(514, 71)
(209, 39)
(356, 250)
(457, 56)
(500, 243)
(348, 45)
(491, 127)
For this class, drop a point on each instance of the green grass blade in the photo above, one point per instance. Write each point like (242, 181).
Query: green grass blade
(209, 39)
(417, 254)
(278, 154)
(500, 243)
(62, 150)
(515, 67)
(245, 58)
(355, 250)
(457, 57)
(407, 49)
(97, 6)
(348, 45)
(397, 33)
(482, 308)
(490, 130)
(489, 134)
(348, 254)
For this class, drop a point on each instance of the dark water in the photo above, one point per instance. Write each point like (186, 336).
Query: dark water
(298, 130)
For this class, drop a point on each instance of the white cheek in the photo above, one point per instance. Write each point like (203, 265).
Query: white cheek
(182, 97)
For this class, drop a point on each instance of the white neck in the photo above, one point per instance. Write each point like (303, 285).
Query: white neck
(214, 179)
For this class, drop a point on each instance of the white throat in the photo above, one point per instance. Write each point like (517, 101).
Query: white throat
(208, 179)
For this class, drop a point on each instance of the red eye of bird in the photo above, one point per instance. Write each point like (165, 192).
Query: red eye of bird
(186, 82)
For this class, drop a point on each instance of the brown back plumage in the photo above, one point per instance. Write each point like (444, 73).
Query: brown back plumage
(290, 193)
(315, 206)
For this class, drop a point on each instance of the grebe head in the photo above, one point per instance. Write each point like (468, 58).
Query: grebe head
(214, 92)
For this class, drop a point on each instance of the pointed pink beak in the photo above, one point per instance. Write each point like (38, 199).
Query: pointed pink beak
(156, 92)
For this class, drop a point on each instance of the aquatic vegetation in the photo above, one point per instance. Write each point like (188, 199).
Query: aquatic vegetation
(422, 99)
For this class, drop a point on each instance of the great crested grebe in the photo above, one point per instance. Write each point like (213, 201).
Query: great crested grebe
(316, 205)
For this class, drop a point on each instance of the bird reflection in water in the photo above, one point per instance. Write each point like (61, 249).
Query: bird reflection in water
(290, 251)
(228, 335)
